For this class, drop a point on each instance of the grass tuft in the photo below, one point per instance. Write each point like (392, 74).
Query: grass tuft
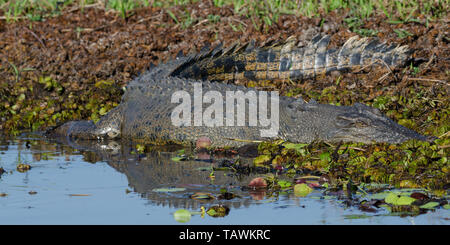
(261, 12)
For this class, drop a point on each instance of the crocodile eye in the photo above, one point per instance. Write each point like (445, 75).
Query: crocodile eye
(351, 120)
(360, 124)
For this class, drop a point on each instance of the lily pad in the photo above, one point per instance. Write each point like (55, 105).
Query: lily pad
(218, 211)
(258, 183)
(446, 206)
(391, 198)
(23, 167)
(379, 196)
(419, 196)
(429, 205)
(182, 215)
(302, 190)
(405, 200)
(395, 199)
(202, 196)
(284, 184)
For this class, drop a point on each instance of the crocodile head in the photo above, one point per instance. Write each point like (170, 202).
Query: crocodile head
(83, 130)
(108, 127)
(367, 125)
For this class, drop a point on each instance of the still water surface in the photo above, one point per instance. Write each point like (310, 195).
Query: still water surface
(109, 184)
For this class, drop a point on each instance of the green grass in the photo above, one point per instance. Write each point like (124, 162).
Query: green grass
(261, 12)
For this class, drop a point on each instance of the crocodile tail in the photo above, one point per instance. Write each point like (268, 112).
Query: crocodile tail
(358, 53)
(287, 61)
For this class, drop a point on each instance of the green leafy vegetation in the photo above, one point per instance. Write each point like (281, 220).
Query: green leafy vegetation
(182, 215)
(302, 190)
(411, 164)
(261, 12)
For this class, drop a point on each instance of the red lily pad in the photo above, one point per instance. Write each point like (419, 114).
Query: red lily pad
(419, 196)
(258, 183)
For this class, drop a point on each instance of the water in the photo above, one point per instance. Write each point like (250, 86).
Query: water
(108, 183)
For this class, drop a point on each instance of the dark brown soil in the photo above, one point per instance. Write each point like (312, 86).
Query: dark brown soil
(91, 54)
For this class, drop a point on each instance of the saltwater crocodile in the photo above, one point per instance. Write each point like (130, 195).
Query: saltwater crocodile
(145, 111)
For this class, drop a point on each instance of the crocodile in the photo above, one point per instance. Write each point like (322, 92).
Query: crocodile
(145, 112)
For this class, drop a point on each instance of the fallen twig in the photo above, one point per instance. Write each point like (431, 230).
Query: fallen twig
(82, 7)
(427, 80)
(242, 140)
(390, 71)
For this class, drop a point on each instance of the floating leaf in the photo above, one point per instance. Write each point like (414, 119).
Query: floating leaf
(168, 189)
(430, 205)
(182, 215)
(299, 148)
(202, 196)
(258, 183)
(103, 111)
(420, 196)
(178, 158)
(294, 146)
(446, 206)
(387, 207)
(395, 199)
(405, 200)
(284, 184)
(22, 167)
(139, 148)
(218, 211)
(379, 196)
(325, 156)
(302, 190)
(261, 159)
(278, 160)
(203, 142)
(391, 198)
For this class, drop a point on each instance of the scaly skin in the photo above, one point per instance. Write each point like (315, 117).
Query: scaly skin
(287, 61)
(144, 114)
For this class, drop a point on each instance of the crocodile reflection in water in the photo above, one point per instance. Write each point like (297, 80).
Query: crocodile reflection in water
(148, 171)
